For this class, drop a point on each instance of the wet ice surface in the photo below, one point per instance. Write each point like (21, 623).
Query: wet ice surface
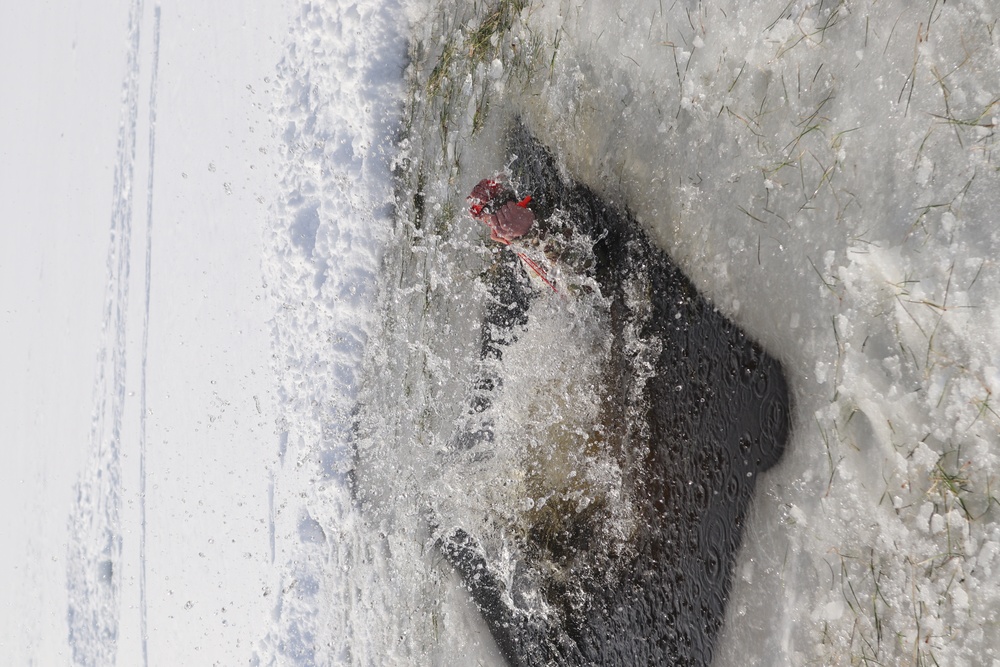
(822, 184)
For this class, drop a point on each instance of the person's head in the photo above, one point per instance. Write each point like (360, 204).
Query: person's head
(486, 198)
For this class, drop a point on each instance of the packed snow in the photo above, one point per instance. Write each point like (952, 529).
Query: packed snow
(294, 300)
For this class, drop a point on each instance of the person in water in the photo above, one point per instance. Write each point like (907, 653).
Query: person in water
(495, 205)
(548, 247)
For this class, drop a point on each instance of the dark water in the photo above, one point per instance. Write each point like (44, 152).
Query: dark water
(712, 413)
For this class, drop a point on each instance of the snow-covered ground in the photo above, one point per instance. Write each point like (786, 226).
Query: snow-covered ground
(138, 392)
(202, 274)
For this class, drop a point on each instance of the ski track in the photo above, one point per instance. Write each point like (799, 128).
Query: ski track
(94, 573)
(143, 630)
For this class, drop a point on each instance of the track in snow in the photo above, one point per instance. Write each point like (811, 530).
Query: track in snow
(94, 563)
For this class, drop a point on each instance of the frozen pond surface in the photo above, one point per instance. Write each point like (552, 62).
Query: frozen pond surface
(810, 168)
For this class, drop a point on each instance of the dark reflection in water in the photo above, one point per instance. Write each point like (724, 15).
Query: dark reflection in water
(714, 414)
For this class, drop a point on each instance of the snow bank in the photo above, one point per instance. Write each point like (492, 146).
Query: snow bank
(337, 117)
